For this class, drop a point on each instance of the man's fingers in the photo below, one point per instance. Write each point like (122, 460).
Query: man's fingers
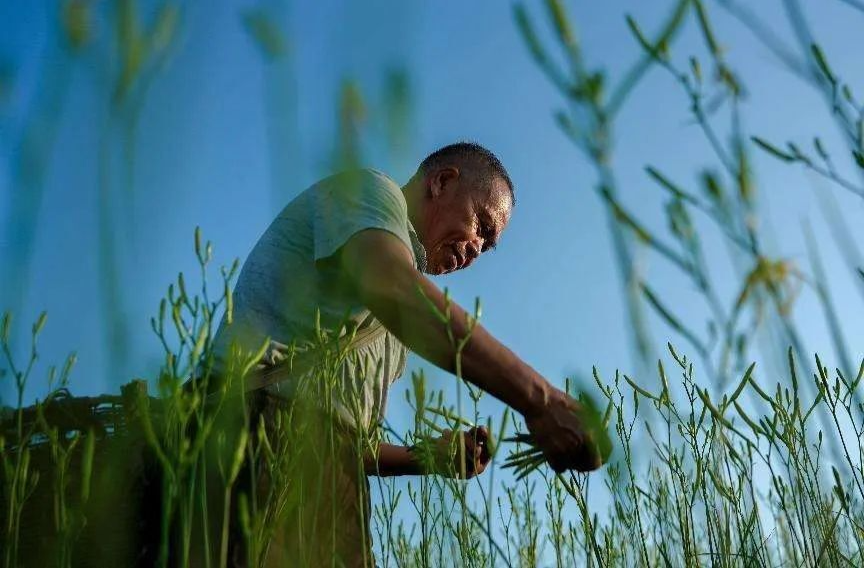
(481, 436)
(585, 459)
(472, 448)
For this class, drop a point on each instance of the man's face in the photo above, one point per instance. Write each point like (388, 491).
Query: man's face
(461, 219)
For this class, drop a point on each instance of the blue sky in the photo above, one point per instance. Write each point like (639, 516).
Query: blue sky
(550, 292)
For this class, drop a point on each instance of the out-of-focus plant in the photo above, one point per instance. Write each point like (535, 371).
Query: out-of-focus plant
(397, 104)
(716, 480)
(588, 119)
(132, 59)
(726, 203)
(352, 113)
(268, 25)
(71, 30)
(127, 63)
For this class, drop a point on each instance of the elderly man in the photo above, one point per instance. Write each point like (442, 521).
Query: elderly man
(357, 245)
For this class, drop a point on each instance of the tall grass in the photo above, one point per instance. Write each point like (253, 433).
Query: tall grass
(721, 485)
(718, 463)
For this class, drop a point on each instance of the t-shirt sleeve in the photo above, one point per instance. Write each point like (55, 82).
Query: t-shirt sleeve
(348, 203)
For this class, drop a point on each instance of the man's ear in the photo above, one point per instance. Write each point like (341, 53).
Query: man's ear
(441, 180)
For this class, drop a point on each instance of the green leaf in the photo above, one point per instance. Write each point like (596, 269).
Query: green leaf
(712, 187)
(181, 286)
(77, 23)
(718, 416)
(165, 29)
(6, 323)
(749, 421)
(640, 37)
(665, 182)
(820, 149)
(229, 304)
(40, 323)
(639, 389)
(741, 385)
(679, 220)
(696, 68)
(773, 150)
(632, 77)
(239, 454)
(558, 15)
(822, 63)
(707, 32)
(625, 218)
(198, 242)
(668, 316)
(251, 362)
(265, 32)
(792, 373)
(528, 33)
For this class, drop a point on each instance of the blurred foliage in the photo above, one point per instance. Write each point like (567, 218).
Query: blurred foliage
(142, 50)
(265, 33)
(77, 22)
(398, 104)
(352, 116)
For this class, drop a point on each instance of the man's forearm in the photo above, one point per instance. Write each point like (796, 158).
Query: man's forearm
(485, 361)
(392, 460)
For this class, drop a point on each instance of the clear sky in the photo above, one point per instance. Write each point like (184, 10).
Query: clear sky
(550, 291)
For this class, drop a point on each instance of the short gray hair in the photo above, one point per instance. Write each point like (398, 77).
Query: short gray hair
(473, 153)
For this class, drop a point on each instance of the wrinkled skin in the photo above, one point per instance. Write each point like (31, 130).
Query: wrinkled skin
(460, 217)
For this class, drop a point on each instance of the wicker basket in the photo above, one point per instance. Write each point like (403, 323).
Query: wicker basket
(119, 524)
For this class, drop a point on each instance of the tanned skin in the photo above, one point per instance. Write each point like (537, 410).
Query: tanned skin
(458, 216)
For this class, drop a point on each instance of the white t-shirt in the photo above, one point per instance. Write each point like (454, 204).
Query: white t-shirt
(293, 271)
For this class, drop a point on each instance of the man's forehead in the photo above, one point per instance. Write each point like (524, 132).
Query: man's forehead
(498, 204)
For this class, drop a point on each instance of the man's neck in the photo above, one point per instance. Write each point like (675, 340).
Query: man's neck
(413, 192)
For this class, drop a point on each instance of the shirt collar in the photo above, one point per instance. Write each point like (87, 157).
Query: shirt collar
(419, 249)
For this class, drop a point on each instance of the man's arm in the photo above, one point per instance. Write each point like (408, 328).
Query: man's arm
(441, 456)
(387, 282)
(380, 267)
(392, 460)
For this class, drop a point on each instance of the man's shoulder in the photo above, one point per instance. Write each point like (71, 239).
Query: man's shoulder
(361, 180)
(380, 177)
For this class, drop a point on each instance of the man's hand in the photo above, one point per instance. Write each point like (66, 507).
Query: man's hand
(567, 441)
(458, 453)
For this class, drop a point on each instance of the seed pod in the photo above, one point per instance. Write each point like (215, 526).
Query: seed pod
(198, 242)
(4, 327)
(181, 285)
(40, 323)
(737, 392)
(822, 63)
(773, 150)
(239, 454)
(229, 305)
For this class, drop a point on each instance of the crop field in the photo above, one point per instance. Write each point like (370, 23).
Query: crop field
(726, 439)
